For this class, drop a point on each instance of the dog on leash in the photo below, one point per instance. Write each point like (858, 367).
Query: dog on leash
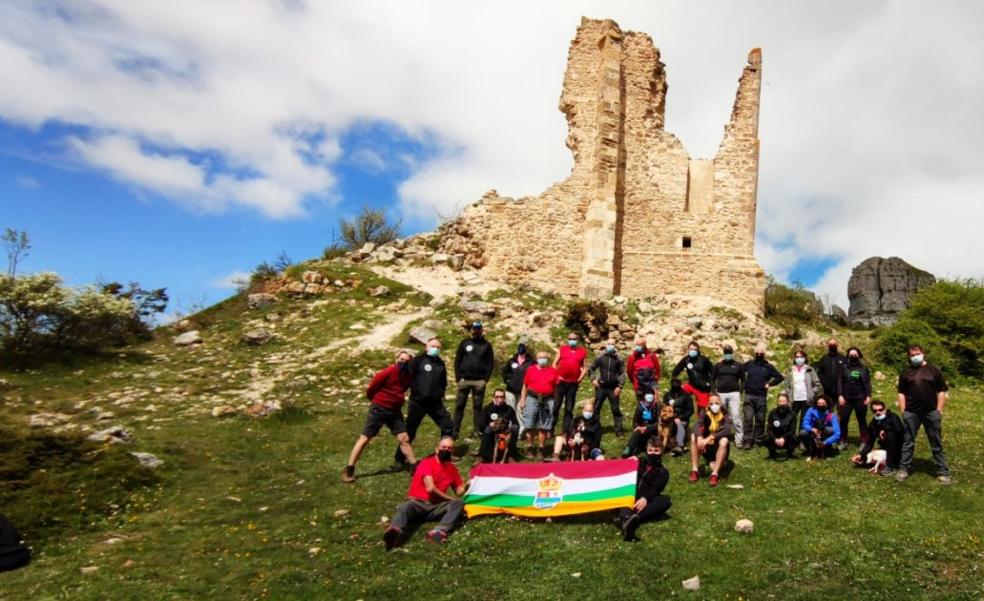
(667, 428)
(878, 458)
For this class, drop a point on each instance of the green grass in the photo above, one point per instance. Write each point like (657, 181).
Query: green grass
(240, 504)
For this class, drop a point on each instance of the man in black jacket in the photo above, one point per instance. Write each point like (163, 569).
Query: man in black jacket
(699, 373)
(727, 380)
(683, 406)
(498, 418)
(829, 370)
(513, 372)
(781, 428)
(607, 375)
(473, 364)
(651, 503)
(429, 381)
(759, 376)
(885, 427)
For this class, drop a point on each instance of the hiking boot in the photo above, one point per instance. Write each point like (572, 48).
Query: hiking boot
(714, 480)
(945, 480)
(887, 471)
(677, 451)
(348, 474)
(629, 527)
(694, 475)
(901, 475)
(436, 536)
(392, 537)
(841, 446)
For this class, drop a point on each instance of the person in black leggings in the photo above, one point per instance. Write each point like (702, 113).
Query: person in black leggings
(651, 503)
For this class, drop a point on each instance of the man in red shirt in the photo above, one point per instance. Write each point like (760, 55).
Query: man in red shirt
(536, 403)
(571, 365)
(428, 499)
(387, 393)
(643, 369)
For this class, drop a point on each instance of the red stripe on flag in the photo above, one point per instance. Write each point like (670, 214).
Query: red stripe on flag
(569, 470)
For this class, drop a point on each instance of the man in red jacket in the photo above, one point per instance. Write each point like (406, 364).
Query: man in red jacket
(642, 367)
(387, 393)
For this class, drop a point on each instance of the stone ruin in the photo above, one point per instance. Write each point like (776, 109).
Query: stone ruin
(637, 217)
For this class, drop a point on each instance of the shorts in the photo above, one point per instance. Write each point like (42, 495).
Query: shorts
(380, 416)
(539, 414)
(710, 452)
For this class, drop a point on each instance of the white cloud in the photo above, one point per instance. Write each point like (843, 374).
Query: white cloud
(231, 281)
(27, 182)
(870, 123)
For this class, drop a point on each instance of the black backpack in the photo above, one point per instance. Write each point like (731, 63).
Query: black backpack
(13, 554)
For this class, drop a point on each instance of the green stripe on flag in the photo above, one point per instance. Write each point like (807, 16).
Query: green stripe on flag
(504, 500)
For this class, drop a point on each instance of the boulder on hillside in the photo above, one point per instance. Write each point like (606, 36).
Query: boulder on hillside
(260, 300)
(188, 338)
(880, 289)
(838, 315)
(257, 336)
(113, 435)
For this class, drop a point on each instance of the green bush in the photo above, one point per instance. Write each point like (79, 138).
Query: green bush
(955, 310)
(892, 343)
(583, 316)
(791, 307)
(371, 225)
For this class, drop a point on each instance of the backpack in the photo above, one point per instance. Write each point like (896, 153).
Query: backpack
(13, 554)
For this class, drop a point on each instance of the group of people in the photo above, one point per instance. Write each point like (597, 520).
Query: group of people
(729, 398)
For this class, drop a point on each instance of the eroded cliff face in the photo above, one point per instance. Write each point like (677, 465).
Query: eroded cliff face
(637, 216)
(880, 289)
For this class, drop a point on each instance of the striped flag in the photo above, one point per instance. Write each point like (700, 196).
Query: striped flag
(551, 489)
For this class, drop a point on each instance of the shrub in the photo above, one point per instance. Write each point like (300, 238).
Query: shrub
(791, 307)
(954, 309)
(892, 345)
(587, 318)
(371, 225)
(147, 304)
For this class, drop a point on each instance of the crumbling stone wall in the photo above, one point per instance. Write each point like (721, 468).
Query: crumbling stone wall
(637, 217)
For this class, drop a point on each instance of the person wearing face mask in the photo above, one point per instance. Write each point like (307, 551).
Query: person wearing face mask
(429, 381)
(428, 499)
(886, 428)
(583, 438)
(760, 375)
(537, 402)
(386, 395)
(473, 364)
(829, 370)
(780, 431)
(513, 372)
(853, 395)
(645, 424)
(700, 373)
(727, 380)
(651, 504)
(571, 363)
(607, 375)
(642, 368)
(802, 385)
(922, 396)
(498, 418)
(820, 431)
(683, 407)
(711, 439)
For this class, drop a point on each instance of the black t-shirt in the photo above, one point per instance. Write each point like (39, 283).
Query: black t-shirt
(921, 385)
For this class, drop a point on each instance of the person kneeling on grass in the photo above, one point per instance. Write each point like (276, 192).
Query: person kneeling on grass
(780, 429)
(500, 429)
(711, 438)
(650, 504)
(820, 431)
(386, 394)
(645, 423)
(428, 499)
(885, 427)
(583, 438)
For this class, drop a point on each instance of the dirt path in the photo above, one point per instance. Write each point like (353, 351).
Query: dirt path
(382, 335)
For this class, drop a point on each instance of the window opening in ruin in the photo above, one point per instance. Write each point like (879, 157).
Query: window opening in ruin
(687, 242)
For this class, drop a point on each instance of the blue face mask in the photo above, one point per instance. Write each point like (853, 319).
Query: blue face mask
(638, 348)
(541, 362)
(916, 360)
(587, 414)
(433, 351)
(610, 349)
(729, 357)
(693, 354)
(572, 343)
(800, 360)
(881, 417)
(649, 397)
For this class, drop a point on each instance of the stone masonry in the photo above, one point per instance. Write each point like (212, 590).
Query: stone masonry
(637, 217)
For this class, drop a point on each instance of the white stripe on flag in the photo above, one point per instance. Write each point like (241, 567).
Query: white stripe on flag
(487, 485)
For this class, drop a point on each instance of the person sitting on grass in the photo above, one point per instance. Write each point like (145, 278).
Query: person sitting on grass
(886, 428)
(428, 499)
(820, 431)
(711, 438)
(386, 394)
(537, 403)
(780, 429)
(683, 406)
(645, 423)
(583, 438)
(498, 420)
(651, 503)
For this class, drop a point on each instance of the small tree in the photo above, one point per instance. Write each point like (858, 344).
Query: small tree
(146, 304)
(18, 246)
(371, 225)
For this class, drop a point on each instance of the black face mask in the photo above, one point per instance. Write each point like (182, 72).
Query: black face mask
(782, 408)
(444, 456)
(654, 457)
(833, 349)
(853, 360)
(759, 357)
(403, 366)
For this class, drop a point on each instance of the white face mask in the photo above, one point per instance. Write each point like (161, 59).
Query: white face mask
(715, 408)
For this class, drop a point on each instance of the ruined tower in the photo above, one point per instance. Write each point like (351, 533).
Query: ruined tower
(637, 217)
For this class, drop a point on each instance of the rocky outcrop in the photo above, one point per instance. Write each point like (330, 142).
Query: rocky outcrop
(880, 289)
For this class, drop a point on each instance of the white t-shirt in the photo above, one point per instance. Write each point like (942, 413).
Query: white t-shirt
(799, 383)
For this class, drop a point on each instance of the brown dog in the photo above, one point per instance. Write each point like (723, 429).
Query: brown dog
(667, 428)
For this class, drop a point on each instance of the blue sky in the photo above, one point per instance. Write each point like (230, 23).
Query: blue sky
(179, 143)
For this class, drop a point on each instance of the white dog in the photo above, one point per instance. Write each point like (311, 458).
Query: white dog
(877, 457)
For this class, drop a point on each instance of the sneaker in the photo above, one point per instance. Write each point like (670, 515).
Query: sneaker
(629, 528)
(944, 480)
(901, 475)
(842, 446)
(714, 480)
(348, 474)
(887, 471)
(436, 536)
(694, 476)
(677, 451)
(392, 537)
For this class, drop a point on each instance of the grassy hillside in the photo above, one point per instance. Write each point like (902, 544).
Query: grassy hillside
(253, 509)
